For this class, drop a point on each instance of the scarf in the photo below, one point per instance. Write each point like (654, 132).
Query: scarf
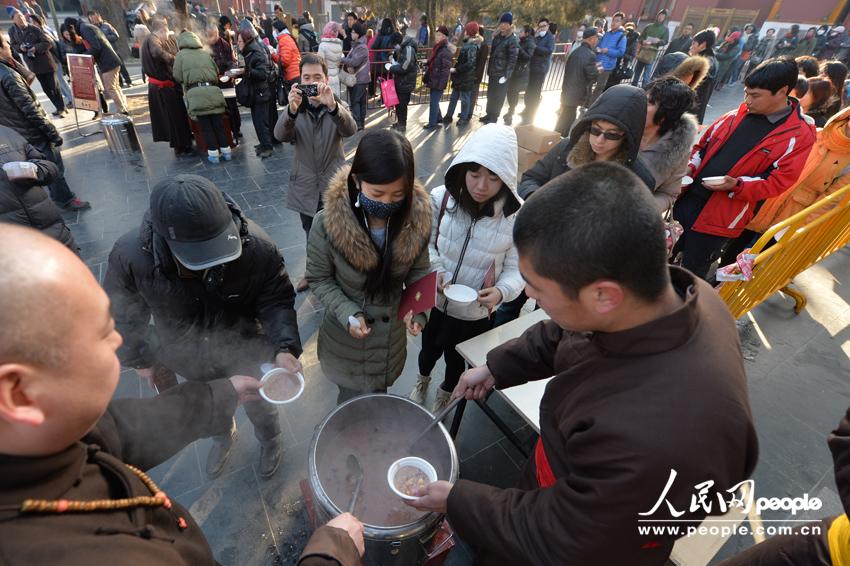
(440, 44)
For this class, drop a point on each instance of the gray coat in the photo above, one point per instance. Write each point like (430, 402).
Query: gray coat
(358, 61)
(318, 152)
(580, 74)
(339, 255)
(667, 160)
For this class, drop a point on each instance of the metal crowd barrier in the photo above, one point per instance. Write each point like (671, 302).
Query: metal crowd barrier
(808, 237)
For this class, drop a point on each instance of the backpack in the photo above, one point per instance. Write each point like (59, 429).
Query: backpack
(310, 36)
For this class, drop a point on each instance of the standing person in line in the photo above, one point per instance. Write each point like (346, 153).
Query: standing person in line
(422, 37)
(225, 59)
(480, 68)
(350, 20)
(580, 75)
(195, 69)
(330, 49)
(540, 62)
(169, 119)
(788, 44)
(357, 63)
(806, 46)
(288, 56)
(437, 75)
(519, 79)
(95, 19)
(21, 111)
(759, 149)
(471, 244)
(609, 49)
(682, 44)
(35, 47)
(108, 62)
(307, 40)
(370, 241)
(654, 37)
(317, 128)
(763, 48)
(504, 51)
(836, 72)
(404, 69)
(258, 71)
(59, 55)
(463, 76)
(749, 41)
(703, 46)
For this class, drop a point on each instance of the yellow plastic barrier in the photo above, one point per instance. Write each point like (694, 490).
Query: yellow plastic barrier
(805, 242)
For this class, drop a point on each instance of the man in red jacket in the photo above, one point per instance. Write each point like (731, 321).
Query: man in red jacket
(746, 156)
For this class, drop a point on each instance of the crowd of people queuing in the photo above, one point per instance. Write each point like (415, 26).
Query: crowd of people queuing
(201, 291)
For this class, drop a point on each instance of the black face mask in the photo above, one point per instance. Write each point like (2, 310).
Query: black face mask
(377, 208)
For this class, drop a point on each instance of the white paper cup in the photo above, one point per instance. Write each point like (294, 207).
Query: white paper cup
(414, 462)
(686, 180)
(460, 294)
(714, 181)
(281, 373)
(20, 170)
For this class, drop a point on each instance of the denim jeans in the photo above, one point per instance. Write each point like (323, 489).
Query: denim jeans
(359, 103)
(641, 69)
(434, 115)
(59, 190)
(465, 98)
(65, 87)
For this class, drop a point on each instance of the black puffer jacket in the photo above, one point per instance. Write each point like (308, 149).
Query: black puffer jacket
(258, 67)
(503, 55)
(580, 74)
(519, 79)
(405, 66)
(20, 110)
(622, 105)
(98, 46)
(201, 324)
(27, 202)
(464, 78)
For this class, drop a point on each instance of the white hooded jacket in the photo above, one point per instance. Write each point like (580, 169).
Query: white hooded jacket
(468, 248)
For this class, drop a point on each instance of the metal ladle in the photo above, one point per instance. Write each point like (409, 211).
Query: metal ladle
(355, 476)
(437, 418)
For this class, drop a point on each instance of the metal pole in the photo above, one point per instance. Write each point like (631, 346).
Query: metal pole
(55, 18)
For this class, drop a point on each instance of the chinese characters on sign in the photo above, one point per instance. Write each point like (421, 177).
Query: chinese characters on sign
(83, 82)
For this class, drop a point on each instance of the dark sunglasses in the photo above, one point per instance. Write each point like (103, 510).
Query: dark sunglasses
(612, 136)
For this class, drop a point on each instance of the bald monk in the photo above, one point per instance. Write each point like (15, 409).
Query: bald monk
(72, 486)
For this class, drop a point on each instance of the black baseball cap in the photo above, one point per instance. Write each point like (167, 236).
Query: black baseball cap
(190, 212)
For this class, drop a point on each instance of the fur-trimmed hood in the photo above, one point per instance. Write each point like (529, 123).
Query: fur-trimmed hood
(664, 157)
(697, 67)
(353, 241)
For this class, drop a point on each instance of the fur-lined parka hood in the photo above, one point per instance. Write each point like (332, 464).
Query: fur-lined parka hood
(353, 241)
(665, 156)
(696, 67)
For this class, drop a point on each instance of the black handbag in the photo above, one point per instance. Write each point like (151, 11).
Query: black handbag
(244, 92)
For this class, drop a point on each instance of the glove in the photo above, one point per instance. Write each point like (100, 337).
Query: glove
(503, 80)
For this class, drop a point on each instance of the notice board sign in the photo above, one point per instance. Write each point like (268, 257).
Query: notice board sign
(83, 82)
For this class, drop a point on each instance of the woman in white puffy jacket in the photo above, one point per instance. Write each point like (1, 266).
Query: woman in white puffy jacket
(471, 244)
(330, 47)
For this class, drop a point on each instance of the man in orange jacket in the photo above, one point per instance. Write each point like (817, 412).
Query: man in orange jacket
(748, 155)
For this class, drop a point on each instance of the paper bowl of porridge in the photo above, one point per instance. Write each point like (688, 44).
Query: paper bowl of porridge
(408, 475)
(280, 386)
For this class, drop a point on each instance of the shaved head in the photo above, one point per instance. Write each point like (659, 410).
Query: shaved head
(58, 367)
(34, 316)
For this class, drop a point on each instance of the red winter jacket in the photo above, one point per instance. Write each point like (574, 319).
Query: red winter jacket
(768, 170)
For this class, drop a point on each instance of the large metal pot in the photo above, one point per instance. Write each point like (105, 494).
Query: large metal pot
(377, 429)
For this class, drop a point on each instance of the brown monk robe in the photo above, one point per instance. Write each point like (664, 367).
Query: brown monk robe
(72, 489)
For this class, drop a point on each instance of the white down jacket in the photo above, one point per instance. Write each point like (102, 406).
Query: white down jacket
(331, 49)
(468, 248)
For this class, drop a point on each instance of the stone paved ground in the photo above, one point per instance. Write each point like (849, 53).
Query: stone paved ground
(798, 370)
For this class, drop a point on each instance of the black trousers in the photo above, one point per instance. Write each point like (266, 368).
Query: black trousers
(496, 94)
(261, 116)
(439, 338)
(532, 94)
(235, 118)
(513, 96)
(213, 129)
(699, 251)
(566, 119)
(359, 103)
(50, 85)
(125, 75)
(401, 109)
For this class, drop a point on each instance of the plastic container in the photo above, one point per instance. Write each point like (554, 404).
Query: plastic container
(687, 180)
(460, 294)
(280, 373)
(20, 170)
(714, 181)
(422, 465)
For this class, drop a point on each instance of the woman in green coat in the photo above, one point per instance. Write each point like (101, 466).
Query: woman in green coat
(195, 69)
(369, 242)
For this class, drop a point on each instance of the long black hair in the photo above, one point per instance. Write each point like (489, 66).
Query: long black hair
(382, 157)
(456, 185)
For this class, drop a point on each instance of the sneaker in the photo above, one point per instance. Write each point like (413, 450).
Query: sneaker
(226, 153)
(212, 156)
(220, 451)
(270, 454)
(420, 390)
(302, 285)
(443, 398)
(77, 204)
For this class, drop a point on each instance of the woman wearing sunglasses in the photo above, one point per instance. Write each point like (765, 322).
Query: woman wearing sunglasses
(610, 130)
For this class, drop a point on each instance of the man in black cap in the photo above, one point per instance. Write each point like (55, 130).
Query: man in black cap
(220, 297)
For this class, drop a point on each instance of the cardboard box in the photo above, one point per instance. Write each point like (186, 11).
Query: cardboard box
(536, 140)
(526, 159)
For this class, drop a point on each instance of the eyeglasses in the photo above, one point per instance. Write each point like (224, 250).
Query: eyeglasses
(612, 136)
